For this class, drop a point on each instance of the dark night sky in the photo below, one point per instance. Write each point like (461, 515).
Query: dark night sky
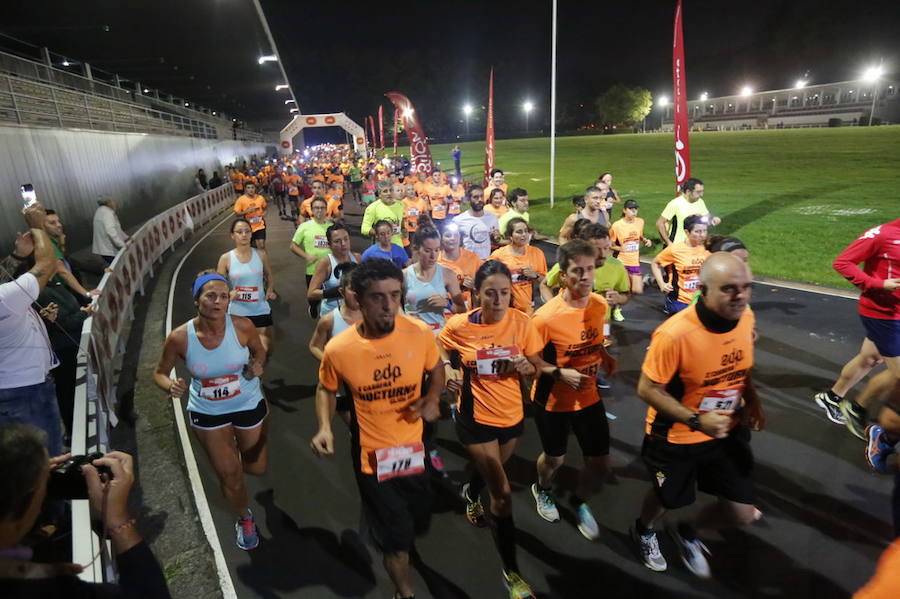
(344, 55)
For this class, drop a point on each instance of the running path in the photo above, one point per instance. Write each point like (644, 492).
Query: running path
(826, 519)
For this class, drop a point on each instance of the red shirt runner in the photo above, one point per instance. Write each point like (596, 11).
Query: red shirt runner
(879, 249)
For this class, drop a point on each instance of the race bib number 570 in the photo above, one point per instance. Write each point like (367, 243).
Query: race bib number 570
(721, 399)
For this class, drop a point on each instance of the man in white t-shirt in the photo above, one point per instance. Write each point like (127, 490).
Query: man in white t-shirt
(109, 237)
(27, 392)
(477, 228)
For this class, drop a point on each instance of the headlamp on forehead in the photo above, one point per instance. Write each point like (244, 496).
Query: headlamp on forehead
(453, 228)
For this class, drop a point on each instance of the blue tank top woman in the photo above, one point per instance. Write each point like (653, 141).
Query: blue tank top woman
(249, 287)
(417, 294)
(330, 303)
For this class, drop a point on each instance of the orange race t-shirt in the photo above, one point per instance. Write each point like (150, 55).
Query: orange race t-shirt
(455, 200)
(384, 377)
(257, 207)
(498, 212)
(628, 236)
(292, 182)
(466, 265)
(885, 584)
(522, 288)
(686, 262)
(490, 188)
(412, 210)
(238, 179)
(333, 209)
(491, 393)
(437, 197)
(711, 369)
(572, 338)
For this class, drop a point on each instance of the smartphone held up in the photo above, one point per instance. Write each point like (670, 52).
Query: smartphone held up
(29, 198)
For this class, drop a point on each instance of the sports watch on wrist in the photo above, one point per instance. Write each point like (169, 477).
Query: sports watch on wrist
(694, 422)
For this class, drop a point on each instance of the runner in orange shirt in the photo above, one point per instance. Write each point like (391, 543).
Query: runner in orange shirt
(496, 202)
(627, 235)
(252, 206)
(238, 178)
(292, 182)
(333, 211)
(526, 263)
(413, 208)
(437, 194)
(463, 262)
(457, 195)
(383, 361)
(701, 408)
(488, 351)
(685, 259)
(571, 327)
(497, 181)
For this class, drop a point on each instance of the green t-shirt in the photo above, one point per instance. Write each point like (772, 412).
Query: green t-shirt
(508, 216)
(311, 237)
(679, 209)
(377, 211)
(355, 174)
(612, 275)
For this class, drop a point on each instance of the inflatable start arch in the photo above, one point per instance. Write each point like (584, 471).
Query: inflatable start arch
(336, 119)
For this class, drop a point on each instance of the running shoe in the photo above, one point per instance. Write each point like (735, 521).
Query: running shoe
(544, 503)
(437, 463)
(246, 533)
(692, 554)
(617, 314)
(602, 383)
(856, 418)
(474, 509)
(831, 403)
(647, 546)
(518, 588)
(878, 450)
(587, 524)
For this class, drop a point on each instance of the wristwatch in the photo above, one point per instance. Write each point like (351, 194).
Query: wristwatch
(694, 422)
(556, 374)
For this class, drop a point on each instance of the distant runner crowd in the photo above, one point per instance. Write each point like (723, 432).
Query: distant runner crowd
(453, 305)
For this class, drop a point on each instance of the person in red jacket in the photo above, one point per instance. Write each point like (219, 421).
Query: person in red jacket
(879, 309)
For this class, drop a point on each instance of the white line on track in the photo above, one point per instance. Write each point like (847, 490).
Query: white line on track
(190, 460)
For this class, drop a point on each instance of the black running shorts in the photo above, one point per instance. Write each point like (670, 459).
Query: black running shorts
(720, 467)
(245, 419)
(259, 234)
(589, 425)
(397, 510)
(262, 321)
(470, 432)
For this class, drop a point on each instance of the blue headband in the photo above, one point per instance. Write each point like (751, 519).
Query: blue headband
(204, 279)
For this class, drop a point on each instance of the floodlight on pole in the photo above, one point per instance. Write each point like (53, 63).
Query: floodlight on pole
(267, 58)
(295, 109)
(467, 110)
(662, 102)
(746, 90)
(871, 75)
(281, 86)
(800, 84)
(704, 97)
(527, 107)
(290, 101)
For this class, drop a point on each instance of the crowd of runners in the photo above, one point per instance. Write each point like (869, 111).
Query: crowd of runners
(453, 303)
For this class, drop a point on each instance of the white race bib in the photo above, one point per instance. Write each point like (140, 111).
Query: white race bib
(721, 399)
(246, 294)
(255, 220)
(320, 242)
(631, 246)
(691, 283)
(494, 362)
(396, 228)
(402, 460)
(412, 212)
(220, 387)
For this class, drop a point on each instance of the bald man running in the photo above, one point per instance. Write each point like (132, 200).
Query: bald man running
(700, 413)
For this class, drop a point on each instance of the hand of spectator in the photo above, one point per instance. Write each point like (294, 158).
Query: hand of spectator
(35, 216)
(24, 244)
(50, 312)
(88, 310)
(55, 461)
(94, 292)
(116, 488)
(892, 284)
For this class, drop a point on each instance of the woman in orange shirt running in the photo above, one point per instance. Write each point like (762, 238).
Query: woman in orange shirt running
(526, 263)
(463, 262)
(627, 235)
(487, 353)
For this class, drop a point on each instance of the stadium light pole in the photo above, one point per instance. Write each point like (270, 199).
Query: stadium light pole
(467, 110)
(662, 102)
(871, 76)
(746, 91)
(553, 104)
(704, 97)
(527, 106)
(275, 55)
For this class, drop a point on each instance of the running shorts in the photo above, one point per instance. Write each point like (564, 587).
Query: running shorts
(674, 306)
(720, 467)
(245, 419)
(589, 425)
(633, 270)
(397, 510)
(258, 234)
(884, 333)
(470, 432)
(261, 321)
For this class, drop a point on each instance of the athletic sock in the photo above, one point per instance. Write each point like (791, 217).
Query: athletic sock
(640, 528)
(834, 396)
(504, 532)
(476, 485)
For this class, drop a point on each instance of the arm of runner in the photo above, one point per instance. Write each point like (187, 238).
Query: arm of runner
(323, 442)
(298, 251)
(173, 348)
(269, 275)
(428, 407)
(847, 262)
(714, 423)
(314, 291)
(565, 233)
(249, 337)
(752, 413)
(656, 268)
(569, 376)
(662, 226)
(451, 284)
(320, 336)
(223, 263)
(452, 376)
(365, 229)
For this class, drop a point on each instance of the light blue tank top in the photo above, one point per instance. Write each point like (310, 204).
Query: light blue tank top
(217, 383)
(247, 282)
(330, 303)
(417, 294)
(338, 325)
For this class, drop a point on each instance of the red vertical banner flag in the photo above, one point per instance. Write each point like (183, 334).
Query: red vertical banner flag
(396, 125)
(420, 153)
(489, 134)
(381, 125)
(679, 105)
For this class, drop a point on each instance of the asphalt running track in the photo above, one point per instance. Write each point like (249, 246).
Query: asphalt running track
(826, 518)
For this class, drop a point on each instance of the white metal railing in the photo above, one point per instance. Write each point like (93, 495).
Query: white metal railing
(102, 343)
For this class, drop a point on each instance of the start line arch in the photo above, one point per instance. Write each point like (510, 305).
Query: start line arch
(335, 119)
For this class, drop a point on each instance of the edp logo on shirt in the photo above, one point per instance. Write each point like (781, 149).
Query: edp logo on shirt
(388, 373)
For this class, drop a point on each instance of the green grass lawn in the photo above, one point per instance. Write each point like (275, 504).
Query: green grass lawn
(795, 197)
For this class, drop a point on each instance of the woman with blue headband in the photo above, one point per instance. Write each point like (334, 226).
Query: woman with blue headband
(226, 407)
